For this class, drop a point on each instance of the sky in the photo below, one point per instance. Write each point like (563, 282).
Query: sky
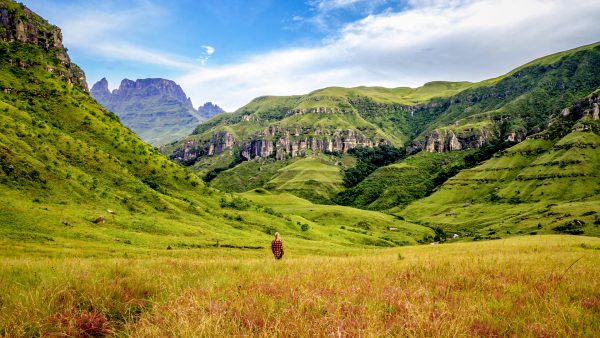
(231, 51)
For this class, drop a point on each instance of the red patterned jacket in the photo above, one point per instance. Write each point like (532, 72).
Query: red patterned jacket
(277, 248)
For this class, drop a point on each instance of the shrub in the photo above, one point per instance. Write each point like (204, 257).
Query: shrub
(572, 227)
(304, 227)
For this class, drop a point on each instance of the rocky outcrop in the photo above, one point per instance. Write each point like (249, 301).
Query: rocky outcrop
(590, 106)
(294, 144)
(191, 150)
(19, 24)
(448, 140)
(220, 142)
(578, 117)
(258, 148)
(315, 110)
(209, 110)
(100, 91)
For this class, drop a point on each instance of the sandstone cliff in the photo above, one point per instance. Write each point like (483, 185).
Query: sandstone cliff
(19, 23)
(277, 142)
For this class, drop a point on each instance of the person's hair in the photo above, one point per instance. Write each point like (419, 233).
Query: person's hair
(277, 236)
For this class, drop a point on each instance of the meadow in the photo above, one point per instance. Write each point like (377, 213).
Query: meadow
(542, 286)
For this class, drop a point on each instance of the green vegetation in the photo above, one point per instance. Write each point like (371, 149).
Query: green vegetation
(400, 183)
(369, 159)
(538, 185)
(248, 175)
(343, 223)
(316, 179)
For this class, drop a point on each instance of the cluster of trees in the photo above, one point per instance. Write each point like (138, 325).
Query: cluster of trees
(368, 160)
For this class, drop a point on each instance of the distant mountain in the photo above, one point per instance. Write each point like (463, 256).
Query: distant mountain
(157, 110)
(209, 110)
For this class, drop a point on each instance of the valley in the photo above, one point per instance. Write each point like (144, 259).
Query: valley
(450, 209)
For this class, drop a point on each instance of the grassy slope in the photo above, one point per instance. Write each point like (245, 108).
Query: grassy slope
(525, 287)
(327, 220)
(316, 179)
(533, 186)
(248, 175)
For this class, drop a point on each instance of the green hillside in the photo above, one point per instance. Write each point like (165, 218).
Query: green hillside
(400, 183)
(316, 179)
(344, 223)
(537, 186)
(65, 161)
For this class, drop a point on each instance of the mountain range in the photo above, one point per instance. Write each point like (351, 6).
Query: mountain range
(157, 110)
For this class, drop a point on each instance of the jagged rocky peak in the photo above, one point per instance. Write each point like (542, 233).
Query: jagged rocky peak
(100, 89)
(209, 110)
(152, 87)
(19, 23)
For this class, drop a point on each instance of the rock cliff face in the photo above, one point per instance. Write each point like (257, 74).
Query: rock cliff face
(156, 109)
(590, 106)
(19, 23)
(209, 110)
(447, 140)
(277, 142)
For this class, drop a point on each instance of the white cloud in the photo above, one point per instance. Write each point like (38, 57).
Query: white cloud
(209, 50)
(205, 54)
(432, 40)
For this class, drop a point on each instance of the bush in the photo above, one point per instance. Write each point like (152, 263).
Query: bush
(572, 227)
(304, 227)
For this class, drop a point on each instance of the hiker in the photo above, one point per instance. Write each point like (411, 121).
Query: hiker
(277, 246)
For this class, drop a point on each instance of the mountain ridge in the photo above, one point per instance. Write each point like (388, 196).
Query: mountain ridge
(439, 116)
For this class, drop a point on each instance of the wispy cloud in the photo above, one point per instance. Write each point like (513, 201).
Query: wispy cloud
(206, 53)
(431, 40)
(103, 31)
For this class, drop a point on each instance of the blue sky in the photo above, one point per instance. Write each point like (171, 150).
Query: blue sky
(229, 52)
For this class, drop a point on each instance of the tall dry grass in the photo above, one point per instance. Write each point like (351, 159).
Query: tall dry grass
(535, 286)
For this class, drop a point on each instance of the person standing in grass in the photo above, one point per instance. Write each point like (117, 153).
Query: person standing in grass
(277, 246)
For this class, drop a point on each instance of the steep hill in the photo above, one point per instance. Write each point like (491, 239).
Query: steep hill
(157, 110)
(541, 185)
(73, 179)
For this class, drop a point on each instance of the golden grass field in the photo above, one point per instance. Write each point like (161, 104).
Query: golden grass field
(535, 286)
